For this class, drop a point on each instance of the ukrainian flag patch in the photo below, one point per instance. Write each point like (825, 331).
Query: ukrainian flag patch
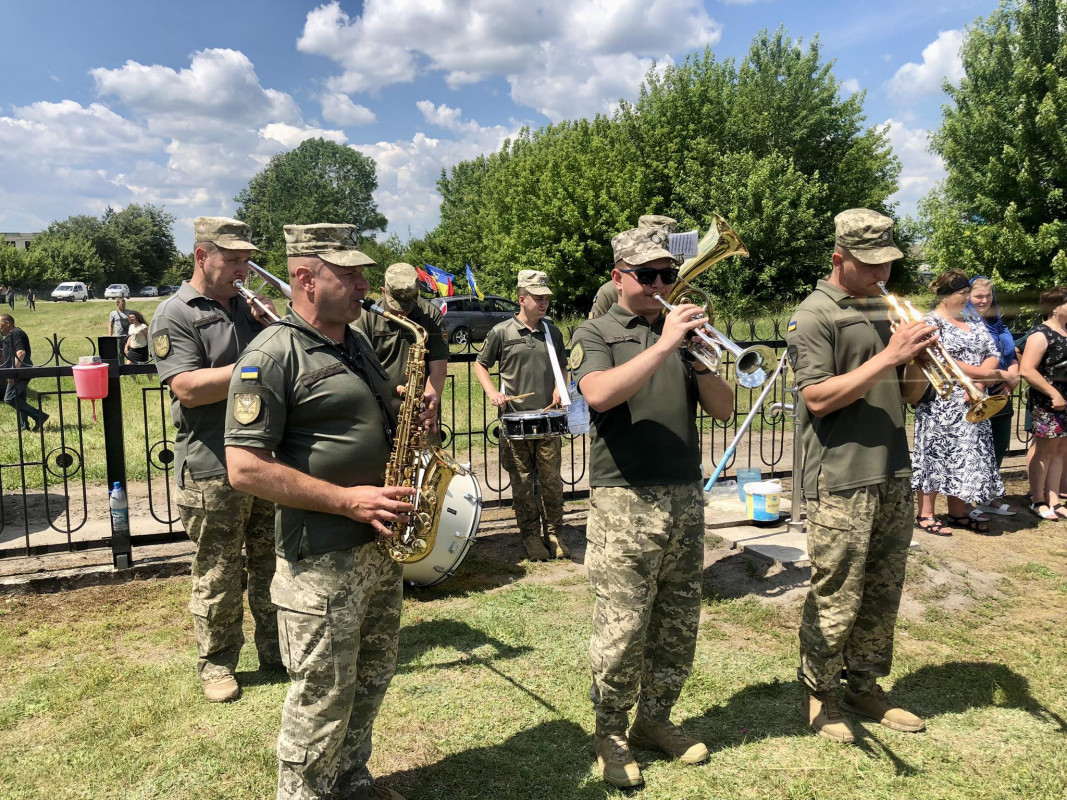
(250, 373)
(792, 326)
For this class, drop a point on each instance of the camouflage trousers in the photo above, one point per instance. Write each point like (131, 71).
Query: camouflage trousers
(645, 556)
(858, 543)
(219, 519)
(338, 614)
(536, 483)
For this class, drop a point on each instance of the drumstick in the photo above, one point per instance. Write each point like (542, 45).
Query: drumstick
(550, 405)
(513, 398)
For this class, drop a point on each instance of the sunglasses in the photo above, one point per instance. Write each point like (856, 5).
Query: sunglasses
(646, 276)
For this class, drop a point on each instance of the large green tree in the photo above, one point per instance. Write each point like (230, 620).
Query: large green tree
(318, 181)
(1002, 209)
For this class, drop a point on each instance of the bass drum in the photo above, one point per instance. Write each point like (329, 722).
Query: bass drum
(460, 514)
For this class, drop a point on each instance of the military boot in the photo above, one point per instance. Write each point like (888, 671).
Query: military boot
(535, 548)
(221, 690)
(824, 715)
(616, 761)
(556, 547)
(876, 705)
(668, 738)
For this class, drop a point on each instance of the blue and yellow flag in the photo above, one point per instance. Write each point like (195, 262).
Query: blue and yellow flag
(443, 280)
(474, 286)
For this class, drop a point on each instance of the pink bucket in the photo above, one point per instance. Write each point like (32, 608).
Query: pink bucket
(90, 381)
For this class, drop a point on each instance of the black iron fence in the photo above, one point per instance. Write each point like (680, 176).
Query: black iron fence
(53, 482)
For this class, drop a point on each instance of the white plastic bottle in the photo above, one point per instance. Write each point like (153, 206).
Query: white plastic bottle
(120, 512)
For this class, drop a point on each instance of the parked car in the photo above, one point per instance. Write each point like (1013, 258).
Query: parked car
(149, 291)
(116, 290)
(71, 291)
(469, 319)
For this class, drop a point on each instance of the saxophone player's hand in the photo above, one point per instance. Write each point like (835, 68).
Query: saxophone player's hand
(379, 506)
(428, 415)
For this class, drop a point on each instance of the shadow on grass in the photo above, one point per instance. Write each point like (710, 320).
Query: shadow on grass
(737, 575)
(551, 760)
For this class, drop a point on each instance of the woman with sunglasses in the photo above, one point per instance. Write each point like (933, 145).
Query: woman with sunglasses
(646, 520)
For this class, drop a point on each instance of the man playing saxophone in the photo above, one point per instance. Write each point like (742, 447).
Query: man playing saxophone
(309, 427)
(856, 477)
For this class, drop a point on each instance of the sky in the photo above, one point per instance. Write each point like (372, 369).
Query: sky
(180, 104)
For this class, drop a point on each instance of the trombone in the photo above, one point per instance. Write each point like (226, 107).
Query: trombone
(941, 369)
(277, 283)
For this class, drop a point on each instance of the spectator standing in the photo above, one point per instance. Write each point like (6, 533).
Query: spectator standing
(118, 324)
(136, 347)
(31, 299)
(17, 353)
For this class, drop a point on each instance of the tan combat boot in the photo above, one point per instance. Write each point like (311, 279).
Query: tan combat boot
(824, 715)
(556, 547)
(616, 762)
(668, 738)
(877, 706)
(535, 548)
(221, 690)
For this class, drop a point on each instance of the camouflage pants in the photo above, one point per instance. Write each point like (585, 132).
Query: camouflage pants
(219, 519)
(645, 555)
(338, 614)
(858, 544)
(530, 462)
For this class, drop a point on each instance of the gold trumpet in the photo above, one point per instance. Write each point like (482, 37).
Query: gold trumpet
(753, 366)
(941, 369)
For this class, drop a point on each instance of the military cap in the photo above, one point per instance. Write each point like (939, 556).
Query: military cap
(640, 245)
(333, 243)
(535, 282)
(669, 224)
(866, 234)
(229, 234)
(402, 286)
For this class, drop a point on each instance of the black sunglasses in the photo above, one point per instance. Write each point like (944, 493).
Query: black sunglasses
(646, 276)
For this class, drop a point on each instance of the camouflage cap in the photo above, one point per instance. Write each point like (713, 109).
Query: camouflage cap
(333, 243)
(640, 245)
(669, 224)
(401, 286)
(866, 234)
(535, 282)
(230, 234)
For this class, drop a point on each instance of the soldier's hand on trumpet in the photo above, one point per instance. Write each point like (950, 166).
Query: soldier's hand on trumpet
(680, 322)
(910, 341)
(379, 506)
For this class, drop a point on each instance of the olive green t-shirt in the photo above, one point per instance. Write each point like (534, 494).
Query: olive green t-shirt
(293, 394)
(392, 342)
(524, 364)
(864, 443)
(188, 332)
(651, 439)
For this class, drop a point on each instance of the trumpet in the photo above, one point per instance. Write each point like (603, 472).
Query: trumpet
(941, 369)
(753, 366)
(277, 283)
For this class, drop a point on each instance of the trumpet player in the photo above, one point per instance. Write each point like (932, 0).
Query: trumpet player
(645, 532)
(852, 378)
(196, 336)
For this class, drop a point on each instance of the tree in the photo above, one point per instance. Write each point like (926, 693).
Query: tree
(1002, 209)
(319, 181)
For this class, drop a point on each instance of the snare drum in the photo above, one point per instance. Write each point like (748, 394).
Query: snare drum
(461, 512)
(533, 424)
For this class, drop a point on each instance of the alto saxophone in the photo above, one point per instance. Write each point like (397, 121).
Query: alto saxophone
(428, 470)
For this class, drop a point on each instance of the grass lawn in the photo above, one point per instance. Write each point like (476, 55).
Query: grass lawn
(98, 697)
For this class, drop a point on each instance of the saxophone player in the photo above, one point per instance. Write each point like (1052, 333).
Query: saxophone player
(308, 426)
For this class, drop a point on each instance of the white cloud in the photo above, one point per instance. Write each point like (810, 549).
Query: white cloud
(920, 168)
(446, 117)
(289, 136)
(339, 109)
(850, 86)
(941, 60)
(561, 57)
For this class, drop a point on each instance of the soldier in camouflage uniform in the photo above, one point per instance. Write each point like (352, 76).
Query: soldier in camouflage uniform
(850, 371)
(391, 342)
(197, 334)
(308, 427)
(607, 295)
(521, 347)
(646, 519)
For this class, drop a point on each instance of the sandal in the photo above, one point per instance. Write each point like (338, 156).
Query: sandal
(932, 525)
(970, 523)
(1060, 510)
(977, 515)
(1047, 514)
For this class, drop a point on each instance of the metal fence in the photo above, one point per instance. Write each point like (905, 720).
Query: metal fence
(53, 482)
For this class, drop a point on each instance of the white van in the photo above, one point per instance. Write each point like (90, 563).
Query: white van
(71, 291)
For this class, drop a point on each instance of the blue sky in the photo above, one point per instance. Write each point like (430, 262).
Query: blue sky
(110, 103)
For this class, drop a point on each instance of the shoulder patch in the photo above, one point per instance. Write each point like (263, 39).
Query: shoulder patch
(250, 373)
(577, 356)
(246, 407)
(792, 326)
(161, 344)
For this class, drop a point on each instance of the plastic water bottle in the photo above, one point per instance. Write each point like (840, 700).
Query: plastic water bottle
(120, 512)
(577, 413)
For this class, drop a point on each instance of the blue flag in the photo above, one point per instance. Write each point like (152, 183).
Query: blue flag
(443, 279)
(474, 286)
